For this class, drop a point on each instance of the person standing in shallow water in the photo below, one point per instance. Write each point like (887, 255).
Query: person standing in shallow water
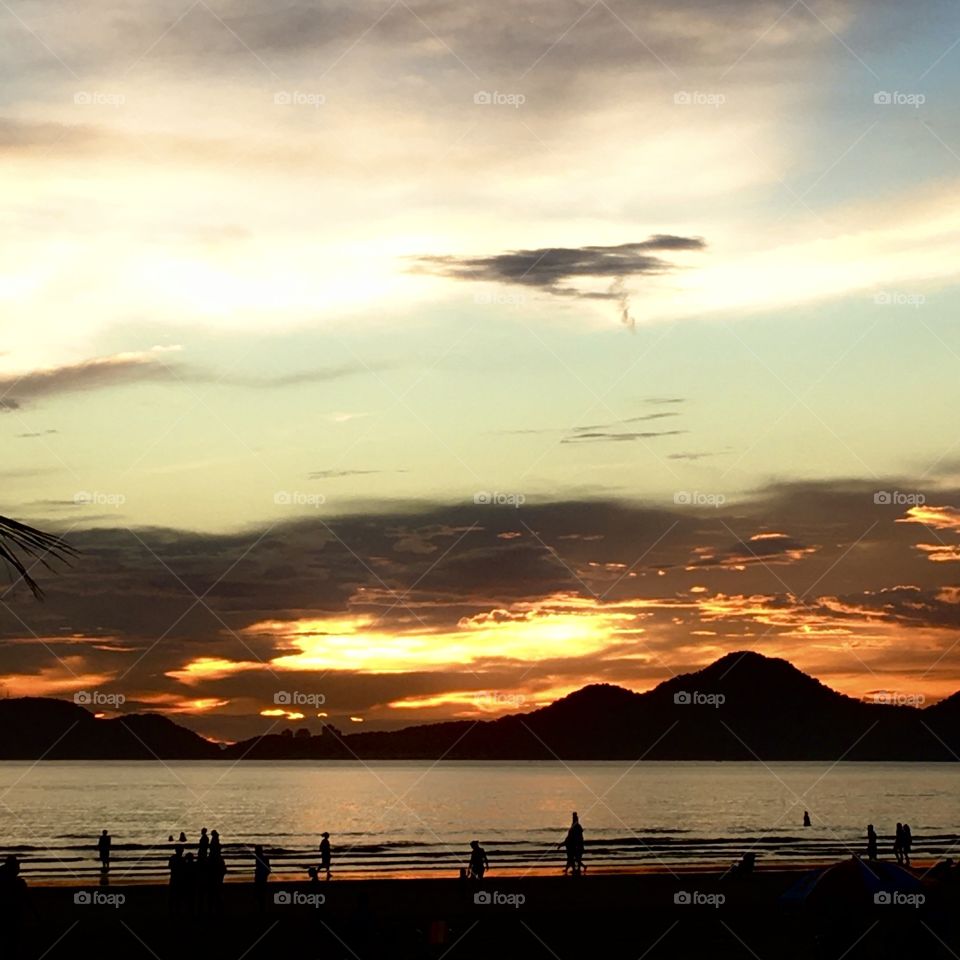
(871, 842)
(898, 843)
(261, 871)
(806, 818)
(203, 847)
(103, 846)
(478, 860)
(325, 853)
(906, 843)
(573, 842)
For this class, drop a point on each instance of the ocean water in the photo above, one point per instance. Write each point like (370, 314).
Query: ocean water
(417, 818)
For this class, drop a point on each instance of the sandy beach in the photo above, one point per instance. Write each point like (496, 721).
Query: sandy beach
(650, 914)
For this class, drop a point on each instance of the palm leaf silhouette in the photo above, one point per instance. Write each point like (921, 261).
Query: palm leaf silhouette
(19, 544)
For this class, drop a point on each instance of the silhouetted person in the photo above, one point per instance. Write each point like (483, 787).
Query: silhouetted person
(478, 860)
(203, 847)
(261, 871)
(871, 842)
(189, 883)
(183, 837)
(325, 853)
(898, 843)
(103, 846)
(176, 888)
(573, 843)
(746, 865)
(214, 843)
(13, 902)
(907, 843)
(806, 818)
(216, 869)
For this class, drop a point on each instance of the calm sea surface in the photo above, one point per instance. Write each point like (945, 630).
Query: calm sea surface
(418, 818)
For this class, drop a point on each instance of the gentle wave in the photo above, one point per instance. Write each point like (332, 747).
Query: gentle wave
(149, 861)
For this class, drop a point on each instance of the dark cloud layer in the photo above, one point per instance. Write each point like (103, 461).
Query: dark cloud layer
(765, 569)
(561, 271)
(552, 268)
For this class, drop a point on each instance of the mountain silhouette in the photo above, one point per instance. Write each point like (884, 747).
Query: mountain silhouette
(38, 727)
(744, 706)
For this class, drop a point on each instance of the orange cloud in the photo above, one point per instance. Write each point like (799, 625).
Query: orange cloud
(64, 676)
(287, 714)
(211, 668)
(523, 634)
(938, 518)
(940, 552)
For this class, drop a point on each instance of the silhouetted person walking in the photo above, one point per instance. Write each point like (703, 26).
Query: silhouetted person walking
(261, 871)
(898, 843)
(806, 818)
(103, 846)
(871, 842)
(325, 853)
(203, 847)
(907, 843)
(479, 864)
(573, 843)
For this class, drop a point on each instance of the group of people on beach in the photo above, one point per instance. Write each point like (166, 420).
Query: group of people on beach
(478, 863)
(196, 878)
(902, 843)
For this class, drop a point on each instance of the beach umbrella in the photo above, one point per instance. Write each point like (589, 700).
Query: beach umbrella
(850, 883)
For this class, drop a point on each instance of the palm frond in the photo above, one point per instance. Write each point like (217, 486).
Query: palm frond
(19, 544)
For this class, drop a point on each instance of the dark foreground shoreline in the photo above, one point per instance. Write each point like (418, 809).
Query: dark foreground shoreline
(649, 915)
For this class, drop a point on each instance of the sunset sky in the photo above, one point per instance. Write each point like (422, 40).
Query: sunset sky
(433, 359)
